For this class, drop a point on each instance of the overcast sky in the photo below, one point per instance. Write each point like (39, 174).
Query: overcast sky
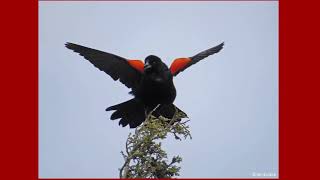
(230, 97)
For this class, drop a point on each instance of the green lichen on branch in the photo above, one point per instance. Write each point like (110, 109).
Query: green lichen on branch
(144, 156)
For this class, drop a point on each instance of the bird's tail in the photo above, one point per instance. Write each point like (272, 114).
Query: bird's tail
(169, 111)
(133, 112)
(130, 112)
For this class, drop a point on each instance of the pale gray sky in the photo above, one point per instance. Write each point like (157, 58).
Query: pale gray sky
(231, 97)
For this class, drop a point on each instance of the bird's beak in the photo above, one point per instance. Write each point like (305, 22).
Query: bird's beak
(147, 67)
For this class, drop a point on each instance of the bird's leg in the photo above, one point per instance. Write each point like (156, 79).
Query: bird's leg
(146, 112)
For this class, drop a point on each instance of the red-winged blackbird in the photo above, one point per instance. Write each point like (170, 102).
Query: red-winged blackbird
(151, 82)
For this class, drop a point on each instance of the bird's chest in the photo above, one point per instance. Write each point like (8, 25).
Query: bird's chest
(158, 90)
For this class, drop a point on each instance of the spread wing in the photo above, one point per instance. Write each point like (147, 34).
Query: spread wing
(128, 71)
(180, 64)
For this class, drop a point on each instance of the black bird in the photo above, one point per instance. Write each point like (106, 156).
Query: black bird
(151, 82)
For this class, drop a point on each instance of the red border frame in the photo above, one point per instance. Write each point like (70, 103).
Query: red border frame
(19, 90)
(298, 121)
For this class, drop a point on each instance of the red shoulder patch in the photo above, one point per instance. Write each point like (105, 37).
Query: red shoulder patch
(178, 64)
(137, 64)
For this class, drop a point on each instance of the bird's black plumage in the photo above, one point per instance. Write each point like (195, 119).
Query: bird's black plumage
(151, 82)
(115, 66)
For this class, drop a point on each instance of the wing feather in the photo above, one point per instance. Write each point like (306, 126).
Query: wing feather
(115, 66)
(180, 64)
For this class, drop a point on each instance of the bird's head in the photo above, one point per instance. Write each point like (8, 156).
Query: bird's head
(152, 63)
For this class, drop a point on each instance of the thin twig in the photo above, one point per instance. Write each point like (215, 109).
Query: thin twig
(150, 113)
(174, 118)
